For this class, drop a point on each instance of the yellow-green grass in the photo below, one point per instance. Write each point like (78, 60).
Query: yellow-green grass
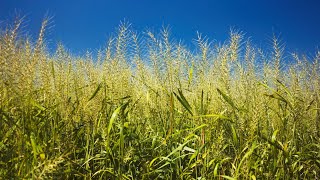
(147, 108)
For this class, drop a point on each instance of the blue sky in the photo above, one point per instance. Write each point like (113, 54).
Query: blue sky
(87, 24)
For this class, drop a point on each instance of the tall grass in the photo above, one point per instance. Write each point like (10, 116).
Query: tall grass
(148, 108)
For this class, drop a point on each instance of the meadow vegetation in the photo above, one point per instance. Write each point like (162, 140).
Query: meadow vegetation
(146, 107)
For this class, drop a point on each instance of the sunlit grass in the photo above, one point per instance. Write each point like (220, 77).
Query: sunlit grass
(147, 108)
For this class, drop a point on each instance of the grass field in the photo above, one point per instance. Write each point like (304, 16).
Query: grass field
(148, 108)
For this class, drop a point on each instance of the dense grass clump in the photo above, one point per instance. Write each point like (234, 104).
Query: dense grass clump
(147, 108)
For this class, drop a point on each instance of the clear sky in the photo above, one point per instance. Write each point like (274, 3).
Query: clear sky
(87, 24)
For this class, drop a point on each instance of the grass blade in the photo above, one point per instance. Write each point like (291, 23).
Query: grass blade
(227, 99)
(95, 92)
(184, 101)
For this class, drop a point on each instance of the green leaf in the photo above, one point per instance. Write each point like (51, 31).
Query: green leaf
(277, 95)
(183, 101)
(253, 147)
(113, 117)
(227, 99)
(273, 138)
(227, 177)
(234, 136)
(95, 92)
(34, 146)
(215, 171)
(195, 154)
(35, 104)
(212, 115)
